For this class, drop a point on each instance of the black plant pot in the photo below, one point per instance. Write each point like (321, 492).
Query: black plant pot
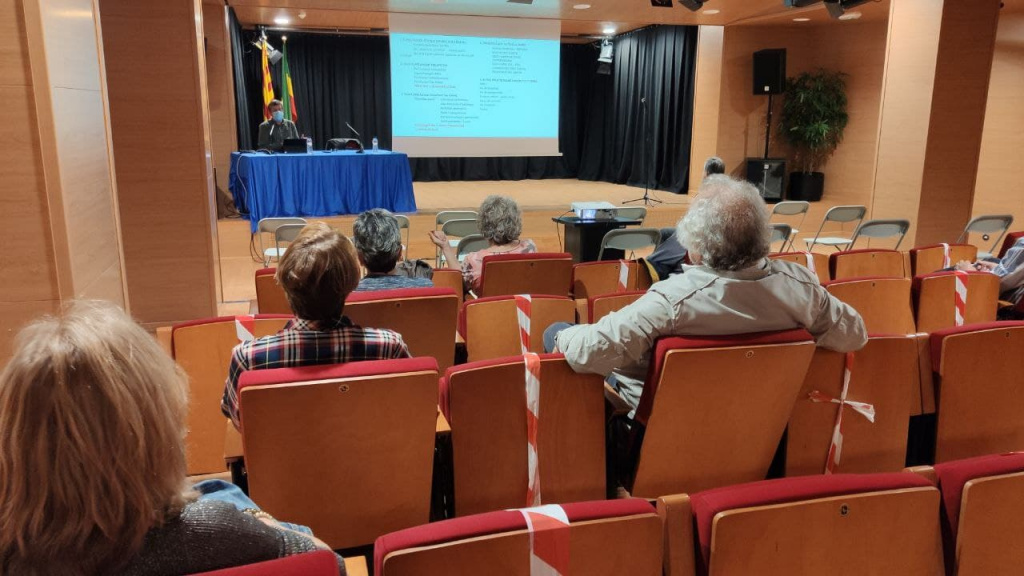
(806, 186)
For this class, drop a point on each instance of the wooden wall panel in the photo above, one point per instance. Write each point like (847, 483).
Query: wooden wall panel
(221, 89)
(706, 101)
(1000, 187)
(161, 141)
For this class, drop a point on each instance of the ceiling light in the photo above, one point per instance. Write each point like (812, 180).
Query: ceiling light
(801, 19)
(581, 7)
(851, 16)
(710, 12)
(609, 30)
(282, 20)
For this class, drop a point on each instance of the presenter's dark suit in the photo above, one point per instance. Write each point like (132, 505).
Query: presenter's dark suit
(272, 135)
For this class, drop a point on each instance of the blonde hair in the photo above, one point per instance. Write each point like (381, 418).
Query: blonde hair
(92, 452)
(318, 272)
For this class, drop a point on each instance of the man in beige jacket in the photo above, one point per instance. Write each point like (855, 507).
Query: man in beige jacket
(730, 288)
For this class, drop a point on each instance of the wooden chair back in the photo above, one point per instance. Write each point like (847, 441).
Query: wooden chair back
(425, 317)
(490, 326)
(928, 259)
(883, 303)
(452, 279)
(596, 278)
(600, 306)
(818, 262)
(983, 499)
(868, 262)
(883, 374)
(980, 372)
(203, 349)
(714, 408)
(848, 524)
(935, 300)
(604, 538)
(486, 408)
(505, 274)
(346, 449)
(270, 298)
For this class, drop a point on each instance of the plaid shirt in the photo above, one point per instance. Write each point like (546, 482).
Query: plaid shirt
(300, 343)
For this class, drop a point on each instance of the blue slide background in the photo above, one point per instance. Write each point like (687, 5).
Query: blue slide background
(474, 87)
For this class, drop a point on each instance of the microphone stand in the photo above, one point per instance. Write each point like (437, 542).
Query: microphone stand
(647, 199)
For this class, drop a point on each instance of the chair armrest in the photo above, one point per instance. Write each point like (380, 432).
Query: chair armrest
(926, 472)
(618, 405)
(677, 525)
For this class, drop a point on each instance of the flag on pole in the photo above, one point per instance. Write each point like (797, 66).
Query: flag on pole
(287, 92)
(268, 86)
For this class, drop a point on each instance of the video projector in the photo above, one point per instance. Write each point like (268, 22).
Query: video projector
(595, 210)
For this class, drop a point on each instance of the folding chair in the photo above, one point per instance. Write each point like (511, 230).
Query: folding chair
(425, 317)
(983, 499)
(632, 213)
(470, 243)
(868, 262)
(881, 229)
(486, 408)
(928, 259)
(404, 224)
(936, 305)
(538, 273)
(318, 563)
(781, 233)
(346, 449)
(713, 410)
(791, 208)
(980, 382)
(1010, 240)
(203, 349)
(987, 226)
(843, 524)
(491, 326)
(883, 375)
(883, 303)
(842, 215)
(270, 226)
(447, 215)
(456, 229)
(602, 538)
(629, 239)
(600, 306)
(817, 263)
(270, 298)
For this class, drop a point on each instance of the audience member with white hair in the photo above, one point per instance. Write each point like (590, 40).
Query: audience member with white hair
(730, 288)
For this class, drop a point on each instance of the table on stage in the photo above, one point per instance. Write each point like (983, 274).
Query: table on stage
(320, 183)
(583, 237)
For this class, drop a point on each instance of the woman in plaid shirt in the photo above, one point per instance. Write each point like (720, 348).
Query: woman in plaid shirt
(318, 272)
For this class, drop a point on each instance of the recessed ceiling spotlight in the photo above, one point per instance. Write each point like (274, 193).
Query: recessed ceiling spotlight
(801, 19)
(710, 12)
(581, 7)
(851, 16)
(609, 30)
(282, 20)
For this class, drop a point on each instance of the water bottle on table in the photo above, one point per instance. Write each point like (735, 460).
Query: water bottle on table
(309, 144)
(375, 148)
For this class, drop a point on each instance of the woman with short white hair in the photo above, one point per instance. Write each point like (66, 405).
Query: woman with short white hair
(501, 223)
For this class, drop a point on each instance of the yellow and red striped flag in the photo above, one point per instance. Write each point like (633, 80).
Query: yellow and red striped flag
(287, 92)
(268, 86)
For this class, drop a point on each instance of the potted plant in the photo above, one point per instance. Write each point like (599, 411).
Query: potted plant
(813, 119)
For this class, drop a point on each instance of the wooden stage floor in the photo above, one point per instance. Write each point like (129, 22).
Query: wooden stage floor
(540, 200)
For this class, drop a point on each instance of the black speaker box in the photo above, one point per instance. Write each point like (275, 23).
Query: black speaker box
(770, 71)
(768, 175)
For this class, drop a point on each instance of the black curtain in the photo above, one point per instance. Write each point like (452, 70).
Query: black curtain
(243, 117)
(340, 79)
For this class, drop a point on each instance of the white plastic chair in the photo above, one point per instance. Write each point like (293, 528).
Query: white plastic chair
(987, 225)
(630, 240)
(632, 213)
(842, 215)
(882, 229)
(792, 208)
(781, 233)
(270, 226)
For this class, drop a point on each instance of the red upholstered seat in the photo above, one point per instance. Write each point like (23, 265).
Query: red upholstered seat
(334, 371)
(883, 303)
(490, 325)
(318, 563)
(595, 278)
(537, 273)
(935, 299)
(600, 306)
(928, 259)
(425, 317)
(443, 398)
(495, 523)
(953, 475)
(706, 505)
(1009, 241)
(938, 337)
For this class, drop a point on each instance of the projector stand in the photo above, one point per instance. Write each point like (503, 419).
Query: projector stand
(647, 199)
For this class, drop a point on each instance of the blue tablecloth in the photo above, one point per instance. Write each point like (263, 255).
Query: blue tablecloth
(320, 183)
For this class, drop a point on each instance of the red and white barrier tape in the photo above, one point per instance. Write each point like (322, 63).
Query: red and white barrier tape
(549, 540)
(947, 259)
(960, 305)
(524, 311)
(835, 450)
(245, 328)
(623, 275)
(810, 263)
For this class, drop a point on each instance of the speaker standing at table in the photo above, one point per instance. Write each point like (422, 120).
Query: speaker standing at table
(275, 131)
